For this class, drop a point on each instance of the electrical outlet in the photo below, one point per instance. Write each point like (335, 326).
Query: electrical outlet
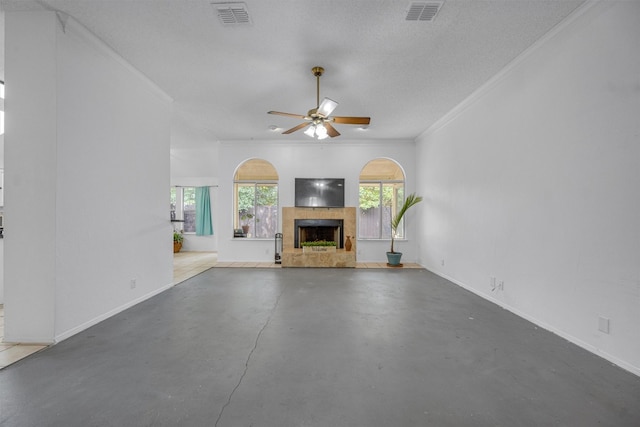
(442, 262)
(501, 285)
(603, 324)
(133, 283)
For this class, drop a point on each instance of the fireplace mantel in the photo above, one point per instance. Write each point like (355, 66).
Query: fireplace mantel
(293, 257)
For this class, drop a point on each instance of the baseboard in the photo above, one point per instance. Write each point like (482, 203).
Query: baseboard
(589, 347)
(73, 331)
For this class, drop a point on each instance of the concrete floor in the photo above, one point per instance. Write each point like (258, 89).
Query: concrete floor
(316, 347)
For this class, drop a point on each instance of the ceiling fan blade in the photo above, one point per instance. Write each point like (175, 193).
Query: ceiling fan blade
(300, 126)
(351, 120)
(296, 116)
(331, 131)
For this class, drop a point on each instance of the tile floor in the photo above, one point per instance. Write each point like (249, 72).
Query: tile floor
(185, 265)
(189, 264)
(11, 352)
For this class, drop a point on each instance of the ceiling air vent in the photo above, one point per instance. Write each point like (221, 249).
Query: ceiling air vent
(423, 10)
(232, 13)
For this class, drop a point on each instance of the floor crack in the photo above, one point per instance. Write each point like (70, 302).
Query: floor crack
(246, 363)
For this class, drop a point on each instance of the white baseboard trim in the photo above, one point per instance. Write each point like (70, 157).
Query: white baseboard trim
(73, 331)
(34, 340)
(590, 348)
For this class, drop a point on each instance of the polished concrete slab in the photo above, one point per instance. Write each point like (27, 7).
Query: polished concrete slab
(316, 347)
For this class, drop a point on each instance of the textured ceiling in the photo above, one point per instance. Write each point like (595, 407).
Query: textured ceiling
(223, 79)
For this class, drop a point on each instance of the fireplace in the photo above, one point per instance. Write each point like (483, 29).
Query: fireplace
(311, 230)
(330, 224)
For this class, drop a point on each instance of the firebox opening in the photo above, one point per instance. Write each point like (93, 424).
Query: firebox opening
(310, 230)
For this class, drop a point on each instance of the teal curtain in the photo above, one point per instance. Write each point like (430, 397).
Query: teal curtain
(203, 212)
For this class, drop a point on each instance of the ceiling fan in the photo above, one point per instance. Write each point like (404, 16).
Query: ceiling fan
(318, 120)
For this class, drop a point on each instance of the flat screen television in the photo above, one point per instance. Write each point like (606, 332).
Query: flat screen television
(319, 192)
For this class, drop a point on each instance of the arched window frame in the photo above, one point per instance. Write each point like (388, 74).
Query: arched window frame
(260, 220)
(375, 222)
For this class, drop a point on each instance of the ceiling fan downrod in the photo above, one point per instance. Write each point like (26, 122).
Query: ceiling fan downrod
(317, 71)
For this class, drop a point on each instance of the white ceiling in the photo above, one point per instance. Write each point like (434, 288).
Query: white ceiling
(223, 79)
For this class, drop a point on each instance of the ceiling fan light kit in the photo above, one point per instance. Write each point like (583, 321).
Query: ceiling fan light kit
(319, 131)
(318, 120)
(326, 107)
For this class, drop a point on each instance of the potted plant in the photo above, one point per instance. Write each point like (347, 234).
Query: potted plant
(244, 218)
(394, 257)
(178, 238)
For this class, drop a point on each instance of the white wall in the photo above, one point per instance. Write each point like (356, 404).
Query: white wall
(1, 271)
(86, 184)
(308, 159)
(534, 181)
(30, 171)
(2, 210)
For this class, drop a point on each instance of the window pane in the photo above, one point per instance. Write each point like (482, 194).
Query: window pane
(256, 199)
(266, 220)
(379, 201)
(381, 194)
(388, 205)
(369, 221)
(393, 194)
(189, 202)
(173, 201)
(246, 207)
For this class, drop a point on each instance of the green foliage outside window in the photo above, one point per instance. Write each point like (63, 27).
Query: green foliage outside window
(370, 196)
(378, 204)
(173, 199)
(183, 207)
(267, 195)
(257, 208)
(246, 197)
(189, 196)
(250, 196)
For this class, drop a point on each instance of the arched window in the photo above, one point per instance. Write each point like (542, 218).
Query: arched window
(381, 195)
(256, 199)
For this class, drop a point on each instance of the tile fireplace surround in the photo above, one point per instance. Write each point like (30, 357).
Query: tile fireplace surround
(293, 257)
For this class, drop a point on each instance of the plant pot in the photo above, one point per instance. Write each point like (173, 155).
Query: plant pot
(393, 259)
(245, 229)
(176, 247)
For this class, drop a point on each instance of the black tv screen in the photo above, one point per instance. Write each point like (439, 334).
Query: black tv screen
(319, 192)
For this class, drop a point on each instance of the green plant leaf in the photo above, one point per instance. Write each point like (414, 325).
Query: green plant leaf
(319, 243)
(409, 201)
